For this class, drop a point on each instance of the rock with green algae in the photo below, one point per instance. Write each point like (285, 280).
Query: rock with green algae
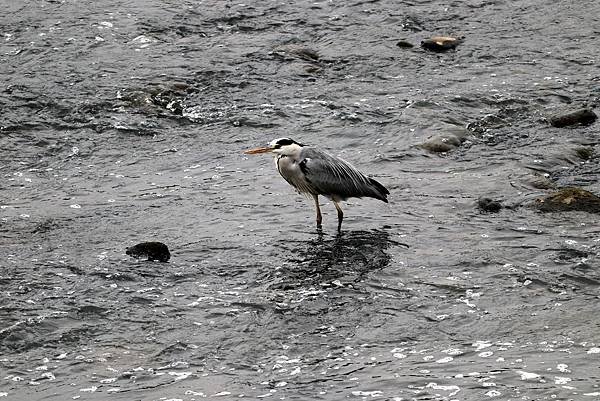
(569, 199)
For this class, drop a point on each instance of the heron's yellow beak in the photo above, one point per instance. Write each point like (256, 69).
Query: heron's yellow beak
(256, 151)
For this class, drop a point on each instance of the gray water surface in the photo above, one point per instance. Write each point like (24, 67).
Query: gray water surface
(124, 122)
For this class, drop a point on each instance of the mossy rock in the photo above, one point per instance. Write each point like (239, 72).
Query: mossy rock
(569, 199)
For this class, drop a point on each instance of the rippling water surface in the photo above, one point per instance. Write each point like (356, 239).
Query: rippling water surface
(124, 122)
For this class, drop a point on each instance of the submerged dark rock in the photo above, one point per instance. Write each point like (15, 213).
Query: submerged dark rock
(569, 199)
(441, 43)
(539, 182)
(404, 44)
(574, 117)
(297, 51)
(489, 205)
(584, 152)
(151, 250)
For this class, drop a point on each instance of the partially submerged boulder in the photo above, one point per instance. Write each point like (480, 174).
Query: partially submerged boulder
(573, 117)
(404, 44)
(569, 199)
(489, 205)
(584, 152)
(442, 143)
(297, 51)
(149, 250)
(441, 43)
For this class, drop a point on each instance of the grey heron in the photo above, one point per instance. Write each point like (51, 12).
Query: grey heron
(314, 172)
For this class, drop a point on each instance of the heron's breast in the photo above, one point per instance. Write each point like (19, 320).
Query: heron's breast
(291, 171)
(288, 168)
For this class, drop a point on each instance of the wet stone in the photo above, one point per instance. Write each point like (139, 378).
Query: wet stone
(404, 44)
(297, 51)
(584, 152)
(442, 143)
(45, 226)
(150, 250)
(489, 205)
(569, 199)
(441, 43)
(574, 117)
(539, 182)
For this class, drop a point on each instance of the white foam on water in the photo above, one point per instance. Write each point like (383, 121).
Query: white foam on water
(452, 351)
(561, 380)
(198, 393)
(528, 375)
(452, 388)
(374, 393)
(594, 350)
(479, 345)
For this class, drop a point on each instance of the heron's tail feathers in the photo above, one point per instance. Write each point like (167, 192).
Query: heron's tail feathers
(379, 191)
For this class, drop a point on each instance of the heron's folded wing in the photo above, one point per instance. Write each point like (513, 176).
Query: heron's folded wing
(332, 176)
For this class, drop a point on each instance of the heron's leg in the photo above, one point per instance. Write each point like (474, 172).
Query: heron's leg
(319, 217)
(340, 215)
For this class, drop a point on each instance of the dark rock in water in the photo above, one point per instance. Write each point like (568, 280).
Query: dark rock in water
(539, 182)
(569, 199)
(489, 205)
(442, 143)
(151, 250)
(311, 69)
(297, 51)
(45, 226)
(575, 117)
(441, 43)
(404, 44)
(584, 152)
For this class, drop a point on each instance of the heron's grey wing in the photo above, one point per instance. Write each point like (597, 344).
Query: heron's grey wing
(334, 177)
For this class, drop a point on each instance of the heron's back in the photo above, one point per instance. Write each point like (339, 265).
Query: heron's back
(335, 178)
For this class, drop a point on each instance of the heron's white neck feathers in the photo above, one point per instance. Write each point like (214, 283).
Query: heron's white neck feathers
(292, 151)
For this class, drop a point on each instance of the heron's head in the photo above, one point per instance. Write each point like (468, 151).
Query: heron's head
(280, 146)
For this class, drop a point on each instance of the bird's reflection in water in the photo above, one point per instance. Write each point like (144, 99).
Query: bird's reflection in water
(347, 257)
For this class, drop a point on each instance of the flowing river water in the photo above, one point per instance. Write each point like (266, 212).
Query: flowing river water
(124, 122)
